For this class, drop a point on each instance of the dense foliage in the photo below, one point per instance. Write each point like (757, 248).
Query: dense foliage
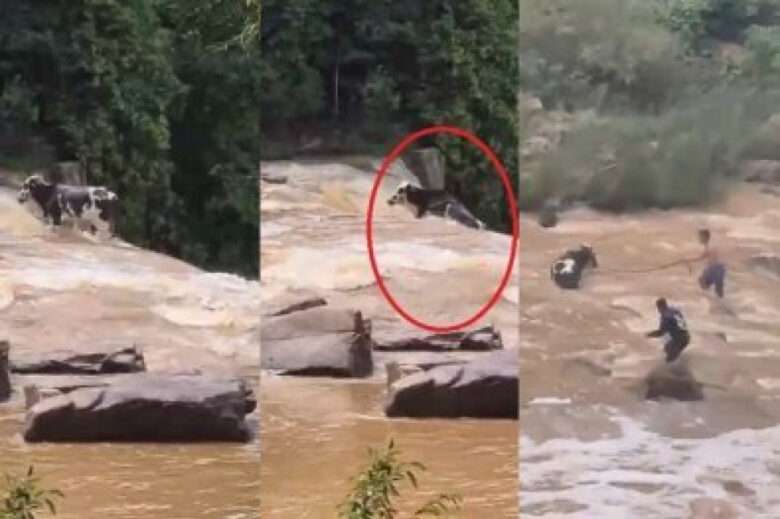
(677, 91)
(360, 74)
(148, 98)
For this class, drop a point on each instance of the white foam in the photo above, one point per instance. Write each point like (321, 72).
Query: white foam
(673, 472)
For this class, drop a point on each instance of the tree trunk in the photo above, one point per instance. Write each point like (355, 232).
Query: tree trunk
(336, 71)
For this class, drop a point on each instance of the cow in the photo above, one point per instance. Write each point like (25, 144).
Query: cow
(94, 205)
(421, 201)
(566, 271)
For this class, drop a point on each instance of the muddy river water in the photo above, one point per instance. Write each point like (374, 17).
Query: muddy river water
(590, 445)
(316, 431)
(63, 290)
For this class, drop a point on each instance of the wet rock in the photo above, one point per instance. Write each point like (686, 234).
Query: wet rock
(397, 370)
(711, 508)
(64, 362)
(273, 179)
(764, 171)
(673, 381)
(5, 377)
(483, 388)
(311, 302)
(319, 341)
(738, 488)
(548, 216)
(428, 166)
(482, 339)
(144, 407)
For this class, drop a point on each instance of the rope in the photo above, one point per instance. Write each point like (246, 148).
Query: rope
(686, 262)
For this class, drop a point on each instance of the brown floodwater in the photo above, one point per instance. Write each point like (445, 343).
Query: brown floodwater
(62, 290)
(316, 432)
(590, 445)
(138, 481)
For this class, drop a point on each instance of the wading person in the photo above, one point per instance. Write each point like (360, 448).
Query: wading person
(672, 326)
(714, 273)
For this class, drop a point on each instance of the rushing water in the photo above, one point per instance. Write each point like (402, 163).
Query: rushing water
(316, 432)
(63, 290)
(590, 445)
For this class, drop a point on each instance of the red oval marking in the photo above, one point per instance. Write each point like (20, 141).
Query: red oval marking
(453, 130)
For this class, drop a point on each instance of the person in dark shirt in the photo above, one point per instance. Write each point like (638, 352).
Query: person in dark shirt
(675, 329)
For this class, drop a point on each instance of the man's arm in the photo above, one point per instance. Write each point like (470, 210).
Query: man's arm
(662, 329)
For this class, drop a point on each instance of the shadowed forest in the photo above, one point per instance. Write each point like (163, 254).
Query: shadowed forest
(155, 100)
(354, 77)
(637, 104)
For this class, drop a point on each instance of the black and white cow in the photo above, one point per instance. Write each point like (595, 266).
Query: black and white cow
(438, 202)
(567, 270)
(94, 205)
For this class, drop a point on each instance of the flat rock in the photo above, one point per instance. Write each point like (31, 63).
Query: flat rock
(105, 359)
(483, 339)
(319, 341)
(673, 381)
(483, 388)
(144, 407)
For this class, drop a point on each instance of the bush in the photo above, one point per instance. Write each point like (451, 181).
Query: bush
(24, 497)
(679, 158)
(376, 487)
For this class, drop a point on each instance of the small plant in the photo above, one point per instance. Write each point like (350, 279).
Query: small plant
(24, 497)
(376, 488)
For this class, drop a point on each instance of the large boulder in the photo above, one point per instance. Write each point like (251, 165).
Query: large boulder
(105, 359)
(673, 381)
(483, 388)
(5, 377)
(482, 339)
(143, 407)
(319, 341)
(428, 166)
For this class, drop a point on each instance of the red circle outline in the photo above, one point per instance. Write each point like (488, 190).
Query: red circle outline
(454, 130)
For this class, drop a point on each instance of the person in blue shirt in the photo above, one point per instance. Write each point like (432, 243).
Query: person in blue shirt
(674, 327)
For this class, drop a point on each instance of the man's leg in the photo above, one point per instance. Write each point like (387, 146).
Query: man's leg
(673, 348)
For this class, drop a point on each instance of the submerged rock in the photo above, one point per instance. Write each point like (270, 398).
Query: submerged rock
(482, 339)
(319, 341)
(483, 388)
(64, 362)
(673, 381)
(143, 408)
(548, 215)
(5, 377)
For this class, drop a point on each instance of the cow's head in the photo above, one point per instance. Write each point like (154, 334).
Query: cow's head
(401, 194)
(31, 185)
